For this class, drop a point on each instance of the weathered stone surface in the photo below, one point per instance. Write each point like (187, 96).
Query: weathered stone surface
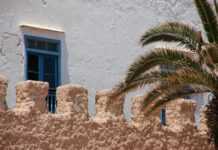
(58, 132)
(108, 108)
(139, 119)
(179, 113)
(72, 100)
(203, 126)
(3, 93)
(30, 97)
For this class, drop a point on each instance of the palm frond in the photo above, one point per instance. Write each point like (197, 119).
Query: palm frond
(166, 88)
(140, 82)
(208, 19)
(154, 94)
(173, 32)
(184, 75)
(159, 57)
(188, 76)
(211, 51)
(175, 85)
(171, 94)
(181, 76)
(179, 81)
(216, 7)
(212, 117)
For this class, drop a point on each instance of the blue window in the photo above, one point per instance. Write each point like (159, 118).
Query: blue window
(163, 116)
(43, 64)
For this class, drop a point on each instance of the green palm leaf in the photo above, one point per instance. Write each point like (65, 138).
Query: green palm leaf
(216, 6)
(173, 32)
(168, 80)
(171, 94)
(211, 51)
(208, 19)
(182, 78)
(159, 57)
(140, 82)
(198, 73)
(184, 75)
(191, 76)
(175, 85)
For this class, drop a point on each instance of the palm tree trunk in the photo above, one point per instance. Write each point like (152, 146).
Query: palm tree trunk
(216, 147)
(212, 120)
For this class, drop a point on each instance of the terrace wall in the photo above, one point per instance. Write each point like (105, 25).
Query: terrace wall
(30, 126)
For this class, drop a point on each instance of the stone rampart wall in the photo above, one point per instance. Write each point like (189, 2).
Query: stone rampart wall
(30, 126)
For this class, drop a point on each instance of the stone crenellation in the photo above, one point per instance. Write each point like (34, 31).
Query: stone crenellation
(108, 108)
(72, 100)
(30, 97)
(180, 113)
(139, 118)
(72, 108)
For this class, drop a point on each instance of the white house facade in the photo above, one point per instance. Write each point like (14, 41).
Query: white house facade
(88, 42)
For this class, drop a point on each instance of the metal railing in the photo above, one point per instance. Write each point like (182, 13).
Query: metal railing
(51, 101)
(163, 116)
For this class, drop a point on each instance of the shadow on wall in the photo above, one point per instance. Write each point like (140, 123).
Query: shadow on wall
(11, 61)
(201, 102)
(64, 62)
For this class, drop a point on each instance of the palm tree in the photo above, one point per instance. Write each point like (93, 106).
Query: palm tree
(194, 63)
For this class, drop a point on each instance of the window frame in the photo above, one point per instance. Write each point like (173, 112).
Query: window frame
(42, 52)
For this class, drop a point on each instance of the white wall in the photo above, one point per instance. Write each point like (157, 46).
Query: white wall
(101, 36)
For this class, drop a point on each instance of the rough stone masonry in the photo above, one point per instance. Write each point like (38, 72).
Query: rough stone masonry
(30, 126)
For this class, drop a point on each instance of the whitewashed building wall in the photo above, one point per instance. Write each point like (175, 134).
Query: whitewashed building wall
(99, 39)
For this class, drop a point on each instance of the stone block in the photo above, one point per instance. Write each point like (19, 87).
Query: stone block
(72, 100)
(139, 118)
(108, 107)
(30, 97)
(179, 113)
(203, 122)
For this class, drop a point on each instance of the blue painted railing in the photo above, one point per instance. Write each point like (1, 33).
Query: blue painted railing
(51, 101)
